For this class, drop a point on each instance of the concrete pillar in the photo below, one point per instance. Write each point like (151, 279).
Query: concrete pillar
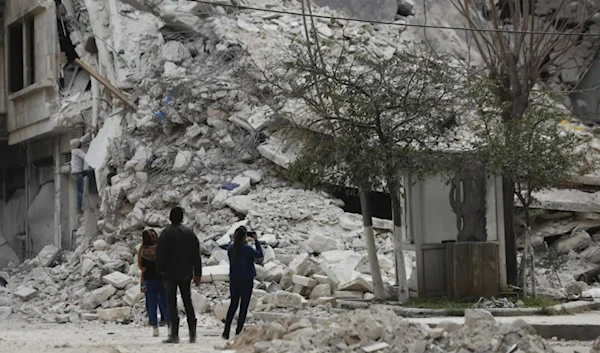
(57, 196)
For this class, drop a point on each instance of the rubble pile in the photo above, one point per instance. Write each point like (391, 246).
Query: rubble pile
(381, 330)
(195, 140)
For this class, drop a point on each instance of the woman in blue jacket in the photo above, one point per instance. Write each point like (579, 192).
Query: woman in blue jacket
(241, 277)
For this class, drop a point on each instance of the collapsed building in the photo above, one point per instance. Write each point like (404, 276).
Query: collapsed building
(151, 87)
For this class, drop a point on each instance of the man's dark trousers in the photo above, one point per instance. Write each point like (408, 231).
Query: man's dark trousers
(185, 289)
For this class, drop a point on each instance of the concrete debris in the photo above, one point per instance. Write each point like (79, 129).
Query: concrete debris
(115, 314)
(118, 280)
(26, 294)
(381, 330)
(47, 255)
(196, 139)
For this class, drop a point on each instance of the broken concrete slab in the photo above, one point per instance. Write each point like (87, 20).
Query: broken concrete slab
(182, 161)
(288, 300)
(215, 273)
(304, 281)
(566, 200)
(320, 290)
(357, 285)
(334, 281)
(86, 266)
(47, 255)
(320, 243)
(576, 241)
(114, 314)
(255, 176)
(474, 317)
(241, 203)
(348, 295)
(133, 295)
(299, 264)
(98, 150)
(97, 297)
(25, 293)
(117, 279)
(345, 268)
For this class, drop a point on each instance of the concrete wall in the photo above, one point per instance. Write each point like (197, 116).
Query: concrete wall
(30, 109)
(41, 217)
(586, 102)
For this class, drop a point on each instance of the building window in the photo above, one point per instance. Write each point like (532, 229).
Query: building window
(21, 60)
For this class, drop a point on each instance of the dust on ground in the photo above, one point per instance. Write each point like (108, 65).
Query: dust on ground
(23, 337)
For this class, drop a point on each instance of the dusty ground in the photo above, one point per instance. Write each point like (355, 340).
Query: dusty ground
(20, 337)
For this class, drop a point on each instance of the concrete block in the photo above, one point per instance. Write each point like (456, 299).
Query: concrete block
(218, 273)
(47, 255)
(299, 289)
(25, 293)
(86, 266)
(114, 314)
(327, 300)
(299, 264)
(321, 290)
(274, 272)
(240, 203)
(359, 284)
(117, 279)
(345, 268)
(304, 281)
(133, 295)
(288, 300)
(97, 297)
(100, 245)
(255, 176)
(474, 317)
(88, 317)
(348, 295)
(320, 243)
(333, 279)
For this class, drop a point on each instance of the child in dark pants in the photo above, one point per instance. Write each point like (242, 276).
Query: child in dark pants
(241, 277)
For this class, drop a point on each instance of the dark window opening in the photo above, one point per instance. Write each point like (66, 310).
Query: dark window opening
(30, 35)
(72, 75)
(381, 203)
(15, 60)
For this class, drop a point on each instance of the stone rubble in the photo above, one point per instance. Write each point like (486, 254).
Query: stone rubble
(196, 141)
(381, 330)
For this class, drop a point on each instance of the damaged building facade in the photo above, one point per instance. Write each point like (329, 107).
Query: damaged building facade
(37, 204)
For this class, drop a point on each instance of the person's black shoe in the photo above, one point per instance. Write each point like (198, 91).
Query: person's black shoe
(239, 331)
(225, 335)
(171, 340)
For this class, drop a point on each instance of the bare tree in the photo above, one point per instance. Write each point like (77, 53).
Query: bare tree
(533, 151)
(522, 42)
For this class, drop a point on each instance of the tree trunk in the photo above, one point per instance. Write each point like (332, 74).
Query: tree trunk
(365, 207)
(508, 198)
(529, 249)
(401, 281)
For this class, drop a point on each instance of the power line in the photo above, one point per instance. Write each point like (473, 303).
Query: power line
(350, 19)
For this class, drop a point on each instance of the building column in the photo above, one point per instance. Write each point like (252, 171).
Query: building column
(57, 195)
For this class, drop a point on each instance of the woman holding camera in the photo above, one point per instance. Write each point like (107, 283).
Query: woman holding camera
(241, 276)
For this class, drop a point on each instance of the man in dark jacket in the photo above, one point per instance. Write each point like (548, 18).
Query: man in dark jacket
(178, 260)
